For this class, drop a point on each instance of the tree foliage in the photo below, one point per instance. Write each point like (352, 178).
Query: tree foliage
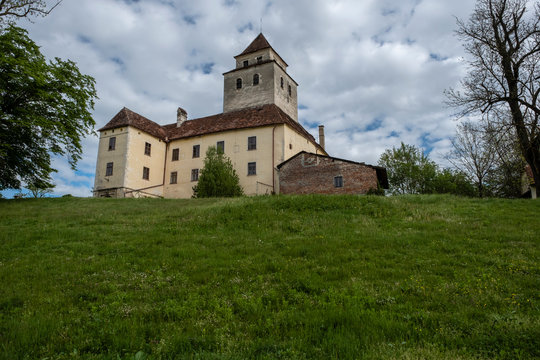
(409, 170)
(45, 108)
(218, 177)
(502, 38)
(15, 9)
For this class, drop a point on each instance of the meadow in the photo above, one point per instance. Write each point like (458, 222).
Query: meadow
(274, 277)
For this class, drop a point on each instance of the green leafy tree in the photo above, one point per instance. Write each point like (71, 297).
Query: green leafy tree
(409, 170)
(45, 108)
(448, 181)
(218, 177)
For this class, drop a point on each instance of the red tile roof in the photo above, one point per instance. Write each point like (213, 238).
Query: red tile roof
(259, 43)
(126, 117)
(265, 115)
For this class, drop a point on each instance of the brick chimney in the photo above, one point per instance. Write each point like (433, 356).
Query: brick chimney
(181, 116)
(321, 136)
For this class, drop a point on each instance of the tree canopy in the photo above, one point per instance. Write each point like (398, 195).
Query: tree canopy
(502, 38)
(409, 170)
(45, 108)
(218, 177)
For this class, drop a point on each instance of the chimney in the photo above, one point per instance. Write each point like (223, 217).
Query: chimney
(321, 136)
(181, 116)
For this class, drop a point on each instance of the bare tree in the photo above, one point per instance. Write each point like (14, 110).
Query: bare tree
(15, 9)
(503, 39)
(472, 155)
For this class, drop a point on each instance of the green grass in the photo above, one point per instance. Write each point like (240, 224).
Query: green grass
(283, 277)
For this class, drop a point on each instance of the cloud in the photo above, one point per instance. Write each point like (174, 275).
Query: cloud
(373, 71)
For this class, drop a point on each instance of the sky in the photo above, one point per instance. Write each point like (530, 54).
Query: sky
(373, 72)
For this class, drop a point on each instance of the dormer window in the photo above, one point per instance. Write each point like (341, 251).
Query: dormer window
(259, 59)
(246, 63)
(238, 83)
(256, 79)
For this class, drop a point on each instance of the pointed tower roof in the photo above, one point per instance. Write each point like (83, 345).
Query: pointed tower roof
(259, 43)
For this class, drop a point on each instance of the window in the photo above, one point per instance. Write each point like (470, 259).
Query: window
(175, 154)
(238, 83)
(108, 172)
(338, 181)
(174, 177)
(146, 173)
(194, 174)
(196, 151)
(256, 79)
(252, 143)
(147, 149)
(246, 63)
(281, 82)
(252, 168)
(220, 146)
(290, 90)
(112, 143)
(259, 59)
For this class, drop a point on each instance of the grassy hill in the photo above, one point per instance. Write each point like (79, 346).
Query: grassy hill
(281, 277)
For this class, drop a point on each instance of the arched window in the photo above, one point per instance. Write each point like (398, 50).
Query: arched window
(256, 79)
(238, 83)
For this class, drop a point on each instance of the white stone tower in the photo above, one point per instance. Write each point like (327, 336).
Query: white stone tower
(260, 78)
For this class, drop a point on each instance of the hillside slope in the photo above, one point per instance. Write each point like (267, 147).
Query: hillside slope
(433, 277)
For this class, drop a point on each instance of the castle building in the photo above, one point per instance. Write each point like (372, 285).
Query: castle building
(258, 130)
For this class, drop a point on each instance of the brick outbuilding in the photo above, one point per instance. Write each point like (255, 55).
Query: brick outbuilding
(309, 173)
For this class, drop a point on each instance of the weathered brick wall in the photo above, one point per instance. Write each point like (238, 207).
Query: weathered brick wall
(308, 174)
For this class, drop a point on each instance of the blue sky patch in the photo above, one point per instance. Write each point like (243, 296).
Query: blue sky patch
(190, 19)
(207, 67)
(375, 124)
(437, 57)
(302, 107)
(248, 26)
(84, 39)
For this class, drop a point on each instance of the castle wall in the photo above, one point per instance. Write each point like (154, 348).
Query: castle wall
(109, 185)
(136, 160)
(249, 95)
(236, 148)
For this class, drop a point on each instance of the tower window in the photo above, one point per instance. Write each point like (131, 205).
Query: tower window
(256, 79)
(259, 59)
(290, 90)
(145, 173)
(147, 148)
(246, 63)
(282, 82)
(175, 154)
(174, 177)
(252, 168)
(238, 83)
(338, 181)
(252, 143)
(112, 143)
(196, 151)
(108, 172)
(220, 146)
(194, 174)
